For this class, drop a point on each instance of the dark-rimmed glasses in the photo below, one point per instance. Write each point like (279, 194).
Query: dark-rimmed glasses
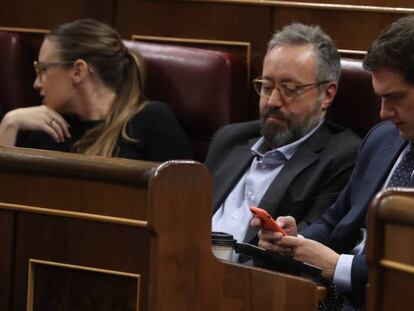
(287, 90)
(41, 67)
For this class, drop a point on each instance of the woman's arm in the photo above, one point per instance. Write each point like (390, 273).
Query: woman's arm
(39, 118)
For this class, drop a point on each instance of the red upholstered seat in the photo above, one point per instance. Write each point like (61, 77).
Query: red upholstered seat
(207, 89)
(356, 105)
(16, 72)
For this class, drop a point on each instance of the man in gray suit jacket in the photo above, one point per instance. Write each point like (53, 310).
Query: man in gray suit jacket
(291, 161)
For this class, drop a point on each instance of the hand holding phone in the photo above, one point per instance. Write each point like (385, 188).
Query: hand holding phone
(267, 220)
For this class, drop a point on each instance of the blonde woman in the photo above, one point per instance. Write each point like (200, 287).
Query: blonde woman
(93, 101)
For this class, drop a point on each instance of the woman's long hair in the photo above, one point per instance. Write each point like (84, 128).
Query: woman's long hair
(119, 69)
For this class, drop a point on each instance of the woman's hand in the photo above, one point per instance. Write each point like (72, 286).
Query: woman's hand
(39, 118)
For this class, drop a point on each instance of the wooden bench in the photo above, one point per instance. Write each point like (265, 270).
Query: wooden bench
(390, 250)
(91, 233)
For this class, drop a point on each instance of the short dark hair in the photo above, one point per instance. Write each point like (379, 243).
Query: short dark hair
(328, 59)
(394, 49)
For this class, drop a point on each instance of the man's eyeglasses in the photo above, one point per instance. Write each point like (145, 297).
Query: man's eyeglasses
(41, 67)
(287, 90)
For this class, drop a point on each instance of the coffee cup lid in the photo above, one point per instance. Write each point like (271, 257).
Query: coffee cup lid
(222, 238)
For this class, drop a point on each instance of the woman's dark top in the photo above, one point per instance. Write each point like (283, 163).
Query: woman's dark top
(158, 133)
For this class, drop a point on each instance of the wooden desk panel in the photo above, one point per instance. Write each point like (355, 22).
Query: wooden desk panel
(169, 249)
(74, 241)
(6, 257)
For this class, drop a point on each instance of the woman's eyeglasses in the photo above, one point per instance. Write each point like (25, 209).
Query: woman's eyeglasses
(41, 67)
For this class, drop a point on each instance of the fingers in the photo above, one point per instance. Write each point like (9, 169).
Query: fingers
(41, 118)
(289, 241)
(267, 244)
(286, 221)
(61, 122)
(56, 125)
(48, 129)
(270, 245)
(299, 247)
(270, 235)
(60, 128)
(56, 129)
(275, 241)
(270, 240)
(256, 222)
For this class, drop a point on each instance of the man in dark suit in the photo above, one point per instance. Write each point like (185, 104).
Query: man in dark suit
(291, 161)
(386, 159)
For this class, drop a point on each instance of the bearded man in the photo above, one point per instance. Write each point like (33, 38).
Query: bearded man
(291, 161)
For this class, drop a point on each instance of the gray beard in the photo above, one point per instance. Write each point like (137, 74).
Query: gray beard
(275, 136)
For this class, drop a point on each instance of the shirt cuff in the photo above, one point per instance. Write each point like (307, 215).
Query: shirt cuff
(342, 276)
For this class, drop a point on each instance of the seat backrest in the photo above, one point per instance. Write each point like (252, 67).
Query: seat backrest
(62, 225)
(390, 250)
(16, 72)
(356, 105)
(206, 89)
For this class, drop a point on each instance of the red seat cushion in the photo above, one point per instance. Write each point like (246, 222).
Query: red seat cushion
(356, 105)
(16, 72)
(207, 89)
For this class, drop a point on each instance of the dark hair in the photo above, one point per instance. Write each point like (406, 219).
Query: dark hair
(328, 62)
(394, 49)
(119, 69)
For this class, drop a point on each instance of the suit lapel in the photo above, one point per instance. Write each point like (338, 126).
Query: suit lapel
(307, 153)
(229, 175)
(379, 165)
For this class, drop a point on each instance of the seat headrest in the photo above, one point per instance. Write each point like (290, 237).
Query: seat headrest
(16, 72)
(206, 89)
(356, 105)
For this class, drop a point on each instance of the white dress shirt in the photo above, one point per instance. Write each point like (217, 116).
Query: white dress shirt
(234, 216)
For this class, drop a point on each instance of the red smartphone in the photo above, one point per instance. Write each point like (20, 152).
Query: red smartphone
(267, 220)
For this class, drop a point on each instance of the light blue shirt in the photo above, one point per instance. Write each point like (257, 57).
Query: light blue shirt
(342, 276)
(234, 215)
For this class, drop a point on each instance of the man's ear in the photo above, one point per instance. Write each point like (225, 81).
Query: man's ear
(329, 94)
(80, 70)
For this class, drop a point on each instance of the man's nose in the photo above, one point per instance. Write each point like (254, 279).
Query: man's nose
(386, 111)
(275, 99)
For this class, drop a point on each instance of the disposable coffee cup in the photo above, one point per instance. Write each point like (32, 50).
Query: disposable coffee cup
(222, 245)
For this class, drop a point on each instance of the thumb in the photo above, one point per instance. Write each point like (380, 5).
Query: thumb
(288, 241)
(285, 221)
